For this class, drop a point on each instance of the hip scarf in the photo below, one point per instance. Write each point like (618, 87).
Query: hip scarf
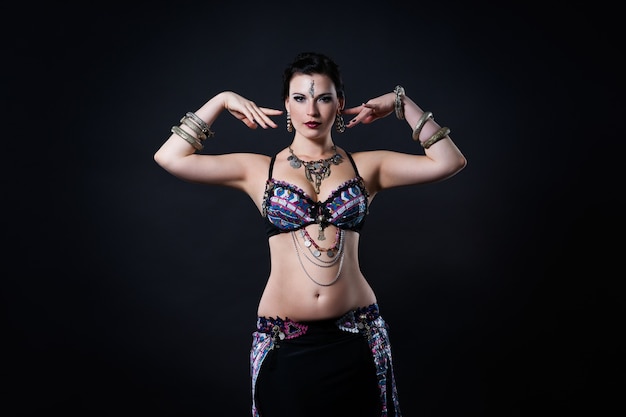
(321, 339)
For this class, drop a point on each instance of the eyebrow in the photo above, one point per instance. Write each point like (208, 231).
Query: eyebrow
(305, 94)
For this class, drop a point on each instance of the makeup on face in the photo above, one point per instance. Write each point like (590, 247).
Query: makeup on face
(312, 84)
(313, 101)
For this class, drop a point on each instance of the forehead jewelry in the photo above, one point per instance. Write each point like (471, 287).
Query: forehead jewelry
(311, 89)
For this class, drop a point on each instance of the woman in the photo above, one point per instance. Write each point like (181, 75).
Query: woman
(320, 346)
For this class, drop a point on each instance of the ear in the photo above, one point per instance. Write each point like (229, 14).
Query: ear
(287, 104)
(342, 103)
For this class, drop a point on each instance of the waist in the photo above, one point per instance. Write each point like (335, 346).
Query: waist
(353, 321)
(289, 292)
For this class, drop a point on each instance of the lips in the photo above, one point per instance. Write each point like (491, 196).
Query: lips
(312, 125)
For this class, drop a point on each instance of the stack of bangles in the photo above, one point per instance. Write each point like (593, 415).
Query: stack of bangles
(436, 137)
(198, 126)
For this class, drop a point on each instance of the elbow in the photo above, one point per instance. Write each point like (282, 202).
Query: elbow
(162, 160)
(162, 157)
(455, 166)
(158, 158)
(461, 163)
(172, 163)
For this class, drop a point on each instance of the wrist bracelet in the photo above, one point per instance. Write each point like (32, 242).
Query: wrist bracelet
(440, 134)
(420, 124)
(192, 141)
(399, 106)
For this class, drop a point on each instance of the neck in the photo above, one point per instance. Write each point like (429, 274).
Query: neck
(313, 150)
(323, 156)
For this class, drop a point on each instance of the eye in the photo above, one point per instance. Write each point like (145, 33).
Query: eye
(326, 99)
(298, 99)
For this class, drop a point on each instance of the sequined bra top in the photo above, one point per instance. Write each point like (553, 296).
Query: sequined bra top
(286, 207)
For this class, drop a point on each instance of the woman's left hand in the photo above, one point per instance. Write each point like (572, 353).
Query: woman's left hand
(374, 109)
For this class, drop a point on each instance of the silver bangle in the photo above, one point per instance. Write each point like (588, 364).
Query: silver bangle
(440, 134)
(194, 126)
(420, 124)
(192, 141)
(399, 106)
(201, 124)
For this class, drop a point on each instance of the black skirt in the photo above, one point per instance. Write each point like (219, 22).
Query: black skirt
(318, 368)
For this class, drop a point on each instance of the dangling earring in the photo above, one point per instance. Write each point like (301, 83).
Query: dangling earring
(289, 125)
(340, 125)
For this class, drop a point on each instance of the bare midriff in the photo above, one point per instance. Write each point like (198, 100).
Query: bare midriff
(291, 293)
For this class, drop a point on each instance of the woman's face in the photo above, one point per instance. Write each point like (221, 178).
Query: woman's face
(312, 104)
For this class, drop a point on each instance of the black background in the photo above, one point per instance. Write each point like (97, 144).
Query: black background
(129, 292)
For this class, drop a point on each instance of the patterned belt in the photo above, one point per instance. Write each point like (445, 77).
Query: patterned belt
(354, 321)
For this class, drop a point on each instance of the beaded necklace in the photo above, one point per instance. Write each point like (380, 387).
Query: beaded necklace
(339, 255)
(316, 250)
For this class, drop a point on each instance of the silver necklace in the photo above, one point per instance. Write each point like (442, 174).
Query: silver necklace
(315, 171)
(295, 245)
(317, 254)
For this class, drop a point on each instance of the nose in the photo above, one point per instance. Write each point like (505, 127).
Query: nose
(312, 109)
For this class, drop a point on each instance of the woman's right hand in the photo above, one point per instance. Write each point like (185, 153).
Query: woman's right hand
(248, 112)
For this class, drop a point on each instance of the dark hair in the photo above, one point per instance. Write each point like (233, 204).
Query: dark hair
(313, 63)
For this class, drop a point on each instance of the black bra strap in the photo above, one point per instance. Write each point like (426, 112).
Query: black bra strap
(271, 169)
(356, 170)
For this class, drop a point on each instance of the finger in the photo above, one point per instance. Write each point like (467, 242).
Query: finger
(353, 110)
(273, 112)
(262, 119)
(248, 116)
(256, 116)
(354, 121)
(267, 112)
(364, 118)
(250, 123)
(266, 122)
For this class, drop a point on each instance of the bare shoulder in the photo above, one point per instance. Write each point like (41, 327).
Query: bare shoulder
(369, 158)
(256, 170)
(368, 162)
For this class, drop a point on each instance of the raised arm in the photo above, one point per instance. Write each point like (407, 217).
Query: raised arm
(178, 154)
(441, 158)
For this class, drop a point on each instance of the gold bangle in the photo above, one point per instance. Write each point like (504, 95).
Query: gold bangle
(201, 124)
(440, 134)
(420, 124)
(399, 106)
(192, 141)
